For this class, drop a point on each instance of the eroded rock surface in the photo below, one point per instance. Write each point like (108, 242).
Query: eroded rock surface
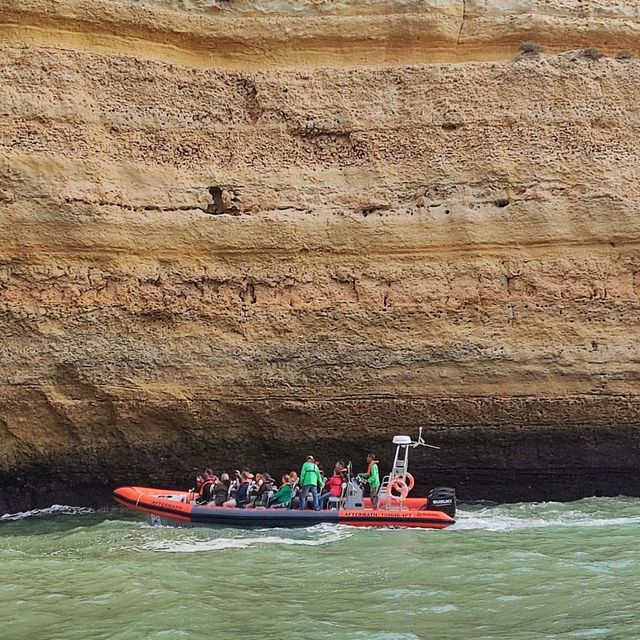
(236, 232)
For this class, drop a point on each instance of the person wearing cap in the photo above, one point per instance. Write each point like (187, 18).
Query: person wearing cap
(310, 480)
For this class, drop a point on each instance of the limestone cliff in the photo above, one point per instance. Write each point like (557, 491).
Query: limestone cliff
(235, 232)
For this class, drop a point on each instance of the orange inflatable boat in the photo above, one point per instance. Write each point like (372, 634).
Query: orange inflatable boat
(395, 508)
(177, 507)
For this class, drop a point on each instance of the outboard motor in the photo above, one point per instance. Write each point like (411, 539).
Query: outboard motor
(442, 499)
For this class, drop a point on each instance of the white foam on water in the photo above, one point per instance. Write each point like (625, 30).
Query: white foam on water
(54, 509)
(326, 535)
(391, 636)
(535, 516)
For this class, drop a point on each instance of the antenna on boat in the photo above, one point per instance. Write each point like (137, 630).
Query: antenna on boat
(421, 443)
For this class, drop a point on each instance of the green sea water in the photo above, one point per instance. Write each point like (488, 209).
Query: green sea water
(523, 571)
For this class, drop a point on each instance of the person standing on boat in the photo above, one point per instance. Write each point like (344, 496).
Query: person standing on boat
(372, 478)
(310, 480)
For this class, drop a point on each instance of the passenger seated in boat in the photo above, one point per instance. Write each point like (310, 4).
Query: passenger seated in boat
(255, 485)
(332, 487)
(206, 491)
(295, 490)
(221, 490)
(282, 497)
(235, 483)
(265, 491)
(200, 480)
(242, 494)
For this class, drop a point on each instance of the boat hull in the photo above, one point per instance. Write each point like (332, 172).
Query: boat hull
(174, 507)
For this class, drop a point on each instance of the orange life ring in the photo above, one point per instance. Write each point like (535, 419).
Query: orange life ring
(410, 481)
(400, 486)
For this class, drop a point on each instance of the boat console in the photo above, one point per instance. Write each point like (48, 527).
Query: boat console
(396, 486)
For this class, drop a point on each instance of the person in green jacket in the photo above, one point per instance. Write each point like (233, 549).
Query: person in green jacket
(310, 480)
(282, 497)
(372, 478)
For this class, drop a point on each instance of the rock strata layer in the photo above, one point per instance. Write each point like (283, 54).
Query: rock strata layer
(238, 232)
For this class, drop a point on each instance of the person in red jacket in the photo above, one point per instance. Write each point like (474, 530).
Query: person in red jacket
(332, 487)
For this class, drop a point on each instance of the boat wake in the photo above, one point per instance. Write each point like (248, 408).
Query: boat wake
(194, 542)
(53, 510)
(589, 512)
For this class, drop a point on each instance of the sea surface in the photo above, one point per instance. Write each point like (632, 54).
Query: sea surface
(520, 571)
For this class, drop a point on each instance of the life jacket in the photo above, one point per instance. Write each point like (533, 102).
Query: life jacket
(334, 485)
(373, 478)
